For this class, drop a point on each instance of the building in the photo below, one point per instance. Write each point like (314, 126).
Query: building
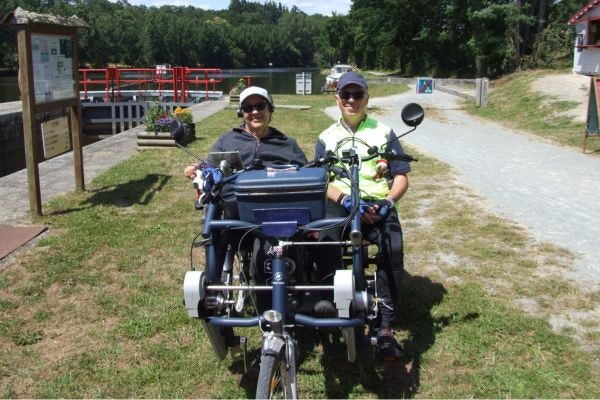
(586, 55)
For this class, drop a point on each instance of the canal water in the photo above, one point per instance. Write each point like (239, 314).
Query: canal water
(9, 90)
(275, 80)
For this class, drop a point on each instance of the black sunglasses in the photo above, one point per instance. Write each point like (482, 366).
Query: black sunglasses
(355, 95)
(258, 107)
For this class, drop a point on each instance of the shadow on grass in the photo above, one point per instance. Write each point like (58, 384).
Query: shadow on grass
(138, 191)
(396, 379)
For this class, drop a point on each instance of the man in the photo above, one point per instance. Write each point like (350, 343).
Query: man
(382, 184)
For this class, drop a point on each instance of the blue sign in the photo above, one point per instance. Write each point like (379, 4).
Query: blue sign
(424, 85)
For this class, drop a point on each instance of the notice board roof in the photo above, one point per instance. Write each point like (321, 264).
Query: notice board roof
(23, 17)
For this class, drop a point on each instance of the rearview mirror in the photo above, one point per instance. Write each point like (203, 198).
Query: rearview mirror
(177, 130)
(412, 114)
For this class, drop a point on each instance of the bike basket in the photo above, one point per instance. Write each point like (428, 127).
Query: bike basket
(304, 188)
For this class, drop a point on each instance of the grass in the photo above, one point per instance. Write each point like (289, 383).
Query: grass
(514, 104)
(94, 310)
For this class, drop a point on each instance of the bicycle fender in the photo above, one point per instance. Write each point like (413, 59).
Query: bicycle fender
(272, 345)
(193, 291)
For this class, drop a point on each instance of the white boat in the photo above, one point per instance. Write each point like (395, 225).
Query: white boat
(334, 74)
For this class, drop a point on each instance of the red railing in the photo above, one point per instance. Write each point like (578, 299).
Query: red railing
(178, 81)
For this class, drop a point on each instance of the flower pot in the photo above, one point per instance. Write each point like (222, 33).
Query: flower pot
(234, 99)
(154, 140)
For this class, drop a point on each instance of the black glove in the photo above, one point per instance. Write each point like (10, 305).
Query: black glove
(384, 207)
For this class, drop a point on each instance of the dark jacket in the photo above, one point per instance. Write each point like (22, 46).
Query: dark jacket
(275, 147)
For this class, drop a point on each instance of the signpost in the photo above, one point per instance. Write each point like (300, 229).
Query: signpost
(592, 128)
(48, 79)
(425, 85)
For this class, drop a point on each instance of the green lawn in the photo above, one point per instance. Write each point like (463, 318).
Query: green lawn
(95, 308)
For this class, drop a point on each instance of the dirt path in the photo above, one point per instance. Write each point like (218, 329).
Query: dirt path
(566, 87)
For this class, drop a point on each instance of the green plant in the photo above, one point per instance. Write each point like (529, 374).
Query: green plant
(183, 115)
(157, 119)
(239, 86)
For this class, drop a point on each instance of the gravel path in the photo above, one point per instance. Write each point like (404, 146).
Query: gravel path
(552, 191)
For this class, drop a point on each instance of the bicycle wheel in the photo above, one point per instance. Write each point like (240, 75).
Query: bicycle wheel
(276, 379)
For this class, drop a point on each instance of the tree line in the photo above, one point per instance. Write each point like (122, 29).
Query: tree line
(462, 38)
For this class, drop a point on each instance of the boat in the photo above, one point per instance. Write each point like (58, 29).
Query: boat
(334, 74)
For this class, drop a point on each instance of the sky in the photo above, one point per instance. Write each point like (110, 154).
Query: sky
(308, 6)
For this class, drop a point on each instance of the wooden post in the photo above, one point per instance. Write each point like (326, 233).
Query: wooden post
(481, 91)
(76, 126)
(29, 121)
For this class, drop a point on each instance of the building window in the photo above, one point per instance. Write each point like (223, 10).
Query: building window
(594, 32)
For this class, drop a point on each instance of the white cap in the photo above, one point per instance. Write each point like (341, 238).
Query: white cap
(255, 90)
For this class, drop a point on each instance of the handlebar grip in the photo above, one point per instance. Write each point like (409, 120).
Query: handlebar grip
(400, 157)
(405, 157)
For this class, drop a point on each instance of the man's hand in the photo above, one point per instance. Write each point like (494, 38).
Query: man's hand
(383, 208)
(347, 204)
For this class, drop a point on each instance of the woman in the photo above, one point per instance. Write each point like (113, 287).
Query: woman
(254, 139)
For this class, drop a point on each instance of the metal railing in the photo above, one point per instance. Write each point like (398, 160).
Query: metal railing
(178, 82)
(122, 115)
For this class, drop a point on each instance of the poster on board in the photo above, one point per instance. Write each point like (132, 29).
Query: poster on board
(52, 58)
(56, 137)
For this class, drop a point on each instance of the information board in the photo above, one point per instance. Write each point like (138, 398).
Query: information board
(52, 58)
(56, 138)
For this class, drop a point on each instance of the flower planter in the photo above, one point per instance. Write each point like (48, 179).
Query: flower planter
(234, 99)
(155, 140)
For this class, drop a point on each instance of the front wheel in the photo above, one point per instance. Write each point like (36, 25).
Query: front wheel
(277, 376)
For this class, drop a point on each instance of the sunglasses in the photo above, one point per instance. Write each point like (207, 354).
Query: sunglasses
(250, 107)
(355, 95)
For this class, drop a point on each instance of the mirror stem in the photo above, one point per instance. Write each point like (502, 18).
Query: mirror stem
(187, 151)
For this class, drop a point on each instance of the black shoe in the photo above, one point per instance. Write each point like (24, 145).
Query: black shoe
(388, 347)
(325, 309)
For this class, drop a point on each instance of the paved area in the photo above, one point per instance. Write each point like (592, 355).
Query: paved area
(551, 190)
(57, 175)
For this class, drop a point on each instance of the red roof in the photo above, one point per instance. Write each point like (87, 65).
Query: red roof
(577, 17)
